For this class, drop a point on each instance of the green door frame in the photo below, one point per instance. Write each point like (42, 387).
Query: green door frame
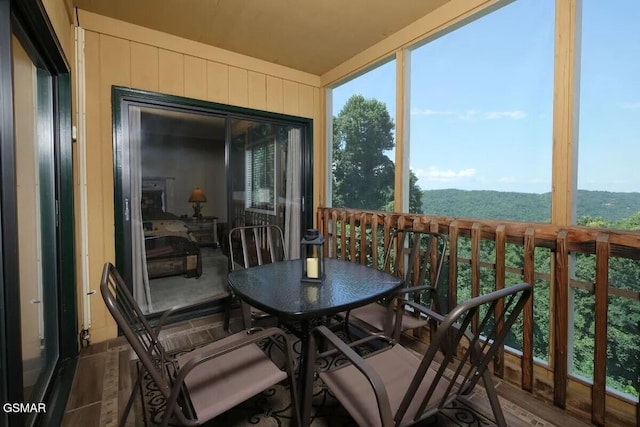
(28, 18)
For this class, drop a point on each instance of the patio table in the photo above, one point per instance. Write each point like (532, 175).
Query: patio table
(277, 289)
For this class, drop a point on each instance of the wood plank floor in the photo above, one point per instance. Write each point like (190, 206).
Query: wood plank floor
(102, 381)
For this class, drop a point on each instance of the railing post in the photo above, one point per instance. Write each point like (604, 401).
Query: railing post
(527, 312)
(453, 264)
(601, 291)
(560, 320)
(498, 362)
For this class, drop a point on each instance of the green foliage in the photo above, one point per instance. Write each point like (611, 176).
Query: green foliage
(530, 207)
(363, 174)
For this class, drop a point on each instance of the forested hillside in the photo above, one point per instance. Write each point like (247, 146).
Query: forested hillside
(525, 206)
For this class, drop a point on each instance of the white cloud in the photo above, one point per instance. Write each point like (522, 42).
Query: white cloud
(515, 115)
(471, 114)
(435, 174)
(429, 112)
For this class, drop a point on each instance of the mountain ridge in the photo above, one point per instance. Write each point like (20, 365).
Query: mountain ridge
(528, 207)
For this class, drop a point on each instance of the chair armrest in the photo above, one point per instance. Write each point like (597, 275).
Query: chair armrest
(412, 289)
(422, 309)
(253, 336)
(361, 364)
(379, 336)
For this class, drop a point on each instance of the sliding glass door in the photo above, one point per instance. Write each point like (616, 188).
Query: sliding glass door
(38, 323)
(35, 190)
(188, 172)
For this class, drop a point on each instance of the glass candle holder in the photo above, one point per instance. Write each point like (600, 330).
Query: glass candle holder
(312, 256)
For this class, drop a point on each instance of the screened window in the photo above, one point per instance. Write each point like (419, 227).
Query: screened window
(481, 116)
(363, 151)
(609, 132)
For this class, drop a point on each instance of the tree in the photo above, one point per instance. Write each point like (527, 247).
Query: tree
(415, 194)
(363, 174)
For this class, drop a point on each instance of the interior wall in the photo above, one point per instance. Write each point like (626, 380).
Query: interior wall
(201, 164)
(60, 14)
(121, 54)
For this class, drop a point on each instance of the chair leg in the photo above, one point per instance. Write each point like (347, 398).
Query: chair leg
(227, 313)
(345, 325)
(246, 315)
(493, 399)
(135, 387)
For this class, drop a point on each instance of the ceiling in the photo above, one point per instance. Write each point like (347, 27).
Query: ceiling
(308, 35)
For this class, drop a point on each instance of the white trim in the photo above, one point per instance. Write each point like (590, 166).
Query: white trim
(81, 144)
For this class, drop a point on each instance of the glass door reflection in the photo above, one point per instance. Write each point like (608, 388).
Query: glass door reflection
(265, 167)
(36, 205)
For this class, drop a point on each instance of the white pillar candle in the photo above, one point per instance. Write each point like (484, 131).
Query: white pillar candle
(312, 268)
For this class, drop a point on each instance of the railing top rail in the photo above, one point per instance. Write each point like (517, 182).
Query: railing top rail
(622, 243)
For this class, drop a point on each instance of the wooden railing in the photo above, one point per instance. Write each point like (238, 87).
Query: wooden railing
(359, 236)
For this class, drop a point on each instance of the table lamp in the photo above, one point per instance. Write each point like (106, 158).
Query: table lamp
(197, 197)
(312, 256)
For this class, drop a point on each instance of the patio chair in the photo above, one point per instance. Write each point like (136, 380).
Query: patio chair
(398, 387)
(203, 383)
(250, 246)
(417, 256)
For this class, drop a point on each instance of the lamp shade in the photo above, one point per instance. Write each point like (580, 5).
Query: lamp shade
(197, 196)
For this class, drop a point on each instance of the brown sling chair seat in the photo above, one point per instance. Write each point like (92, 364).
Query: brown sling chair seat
(397, 387)
(202, 383)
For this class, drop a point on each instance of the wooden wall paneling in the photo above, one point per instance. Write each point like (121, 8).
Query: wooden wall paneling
(62, 23)
(217, 82)
(113, 68)
(238, 87)
(195, 77)
(305, 101)
(144, 67)
(598, 391)
(102, 24)
(275, 94)
(527, 311)
(257, 90)
(171, 72)
(291, 102)
(95, 200)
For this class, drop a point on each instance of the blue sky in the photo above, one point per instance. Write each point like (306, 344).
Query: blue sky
(481, 100)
